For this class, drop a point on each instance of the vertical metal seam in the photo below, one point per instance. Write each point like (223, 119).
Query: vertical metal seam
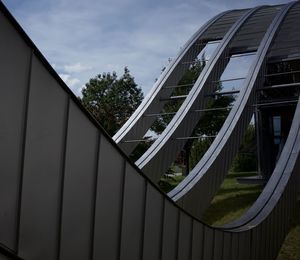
(95, 189)
(238, 243)
(191, 238)
(177, 233)
(213, 244)
(23, 149)
(202, 241)
(142, 238)
(251, 244)
(121, 208)
(162, 227)
(230, 251)
(223, 244)
(62, 181)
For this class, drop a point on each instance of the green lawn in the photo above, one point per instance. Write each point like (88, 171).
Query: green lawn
(290, 249)
(234, 199)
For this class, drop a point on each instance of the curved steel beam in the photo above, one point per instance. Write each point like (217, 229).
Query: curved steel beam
(278, 176)
(278, 180)
(79, 197)
(208, 174)
(137, 125)
(267, 220)
(276, 202)
(164, 150)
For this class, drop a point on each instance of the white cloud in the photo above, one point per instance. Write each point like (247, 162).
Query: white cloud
(77, 90)
(108, 35)
(71, 82)
(77, 67)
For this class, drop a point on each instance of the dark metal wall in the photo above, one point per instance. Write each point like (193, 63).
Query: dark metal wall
(68, 192)
(282, 82)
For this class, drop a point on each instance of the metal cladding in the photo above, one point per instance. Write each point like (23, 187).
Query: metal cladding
(138, 124)
(67, 191)
(154, 161)
(208, 174)
(222, 151)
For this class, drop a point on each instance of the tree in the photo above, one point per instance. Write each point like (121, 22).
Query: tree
(112, 100)
(245, 160)
(189, 77)
(208, 125)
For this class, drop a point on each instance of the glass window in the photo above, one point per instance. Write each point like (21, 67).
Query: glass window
(236, 71)
(208, 50)
(277, 129)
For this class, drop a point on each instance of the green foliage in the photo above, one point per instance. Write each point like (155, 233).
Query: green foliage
(245, 159)
(209, 125)
(199, 147)
(234, 199)
(188, 78)
(141, 148)
(167, 184)
(112, 100)
(186, 82)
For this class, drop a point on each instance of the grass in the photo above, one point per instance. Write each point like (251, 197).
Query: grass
(290, 249)
(234, 199)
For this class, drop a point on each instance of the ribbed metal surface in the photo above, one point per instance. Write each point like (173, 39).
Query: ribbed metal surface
(287, 42)
(222, 25)
(208, 174)
(138, 124)
(254, 30)
(68, 191)
(155, 161)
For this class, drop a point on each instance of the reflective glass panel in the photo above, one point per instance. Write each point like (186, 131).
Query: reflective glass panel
(208, 50)
(236, 71)
(277, 129)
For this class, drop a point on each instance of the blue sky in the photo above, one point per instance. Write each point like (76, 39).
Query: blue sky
(82, 38)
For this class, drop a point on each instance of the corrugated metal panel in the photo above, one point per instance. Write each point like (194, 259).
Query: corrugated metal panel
(287, 41)
(15, 70)
(74, 195)
(78, 186)
(254, 29)
(110, 185)
(220, 27)
(43, 165)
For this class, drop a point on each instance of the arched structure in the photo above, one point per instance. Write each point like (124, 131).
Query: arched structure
(67, 191)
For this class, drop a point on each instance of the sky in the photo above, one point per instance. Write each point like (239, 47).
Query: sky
(84, 38)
